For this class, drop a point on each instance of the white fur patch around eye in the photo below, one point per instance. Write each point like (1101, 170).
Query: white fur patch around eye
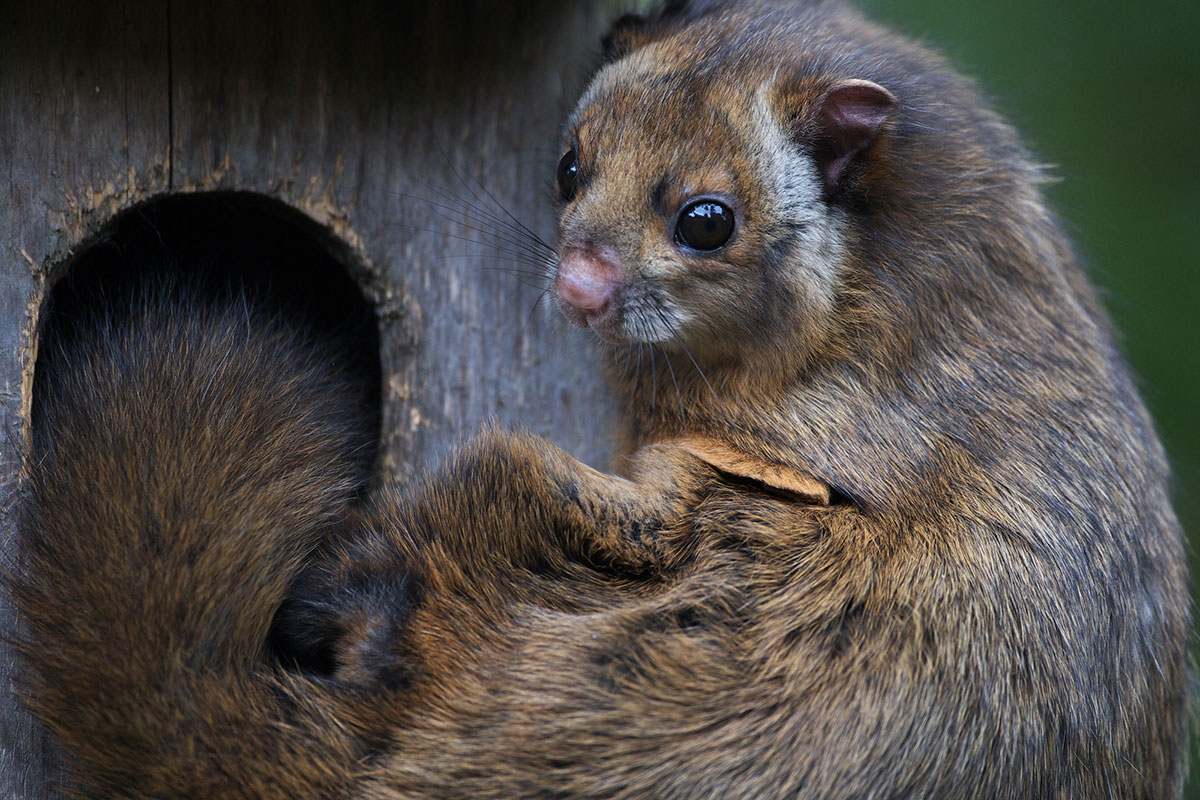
(793, 182)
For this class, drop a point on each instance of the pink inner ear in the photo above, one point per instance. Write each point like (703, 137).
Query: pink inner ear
(851, 115)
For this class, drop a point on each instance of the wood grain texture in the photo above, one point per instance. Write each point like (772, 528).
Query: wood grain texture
(83, 133)
(367, 135)
(363, 116)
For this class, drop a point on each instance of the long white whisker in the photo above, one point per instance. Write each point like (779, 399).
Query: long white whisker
(662, 316)
(475, 214)
(653, 370)
(678, 395)
(502, 250)
(521, 244)
(480, 214)
(475, 195)
(537, 302)
(700, 372)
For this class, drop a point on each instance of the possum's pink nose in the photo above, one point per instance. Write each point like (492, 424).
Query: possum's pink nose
(588, 279)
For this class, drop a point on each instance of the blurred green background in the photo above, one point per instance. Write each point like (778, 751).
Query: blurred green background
(1109, 94)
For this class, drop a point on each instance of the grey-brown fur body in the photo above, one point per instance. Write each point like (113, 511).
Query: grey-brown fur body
(994, 605)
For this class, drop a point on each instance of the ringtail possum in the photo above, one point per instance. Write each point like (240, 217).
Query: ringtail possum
(892, 520)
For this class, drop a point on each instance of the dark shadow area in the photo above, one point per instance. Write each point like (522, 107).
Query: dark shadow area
(222, 246)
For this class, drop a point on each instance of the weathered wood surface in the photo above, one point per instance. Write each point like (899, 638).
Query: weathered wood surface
(351, 113)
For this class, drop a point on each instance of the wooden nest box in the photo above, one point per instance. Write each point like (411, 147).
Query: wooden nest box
(395, 141)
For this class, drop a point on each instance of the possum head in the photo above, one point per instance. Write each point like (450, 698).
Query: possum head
(705, 190)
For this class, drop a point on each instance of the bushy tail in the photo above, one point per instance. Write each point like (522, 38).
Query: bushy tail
(187, 453)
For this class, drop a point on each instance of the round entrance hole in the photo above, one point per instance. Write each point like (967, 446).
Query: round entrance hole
(223, 245)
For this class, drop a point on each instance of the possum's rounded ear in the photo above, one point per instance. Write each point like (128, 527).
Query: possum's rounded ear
(631, 31)
(835, 122)
(848, 118)
(627, 34)
(345, 619)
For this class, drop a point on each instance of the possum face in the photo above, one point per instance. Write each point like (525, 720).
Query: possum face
(699, 205)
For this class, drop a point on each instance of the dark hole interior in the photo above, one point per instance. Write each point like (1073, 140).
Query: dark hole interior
(230, 250)
(227, 244)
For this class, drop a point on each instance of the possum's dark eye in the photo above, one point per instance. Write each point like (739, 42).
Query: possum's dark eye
(568, 175)
(705, 225)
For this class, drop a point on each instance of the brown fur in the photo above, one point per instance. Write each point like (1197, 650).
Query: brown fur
(992, 604)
